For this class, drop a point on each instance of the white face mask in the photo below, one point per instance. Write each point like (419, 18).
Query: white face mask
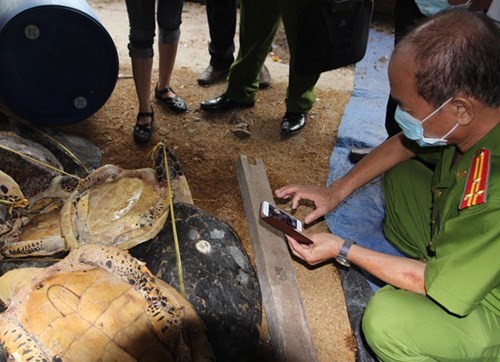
(431, 7)
(413, 129)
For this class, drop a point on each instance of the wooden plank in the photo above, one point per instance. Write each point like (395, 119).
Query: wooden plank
(286, 319)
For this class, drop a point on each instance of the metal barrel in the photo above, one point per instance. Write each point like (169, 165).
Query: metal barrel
(58, 64)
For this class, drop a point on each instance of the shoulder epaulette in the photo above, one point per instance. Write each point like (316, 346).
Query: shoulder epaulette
(477, 180)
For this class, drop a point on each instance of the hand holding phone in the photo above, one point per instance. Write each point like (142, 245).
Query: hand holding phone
(283, 221)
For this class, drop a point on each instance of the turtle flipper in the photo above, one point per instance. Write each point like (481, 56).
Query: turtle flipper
(19, 344)
(41, 247)
(100, 175)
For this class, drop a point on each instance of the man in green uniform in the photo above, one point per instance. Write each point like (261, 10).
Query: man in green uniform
(442, 194)
(259, 21)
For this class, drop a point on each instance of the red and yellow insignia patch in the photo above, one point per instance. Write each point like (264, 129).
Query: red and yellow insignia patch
(477, 181)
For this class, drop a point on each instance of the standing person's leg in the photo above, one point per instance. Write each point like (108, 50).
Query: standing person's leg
(259, 21)
(300, 93)
(406, 15)
(169, 17)
(141, 70)
(141, 37)
(221, 16)
(166, 61)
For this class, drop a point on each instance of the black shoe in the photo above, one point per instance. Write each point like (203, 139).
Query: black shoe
(264, 78)
(142, 132)
(223, 103)
(292, 123)
(211, 75)
(175, 103)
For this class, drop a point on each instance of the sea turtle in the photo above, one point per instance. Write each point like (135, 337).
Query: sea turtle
(77, 155)
(219, 279)
(40, 162)
(111, 206)
(12, 202)
(97, 304)
(33, 220)
(28, 166)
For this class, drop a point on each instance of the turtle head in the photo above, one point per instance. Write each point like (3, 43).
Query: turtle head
(164, 159)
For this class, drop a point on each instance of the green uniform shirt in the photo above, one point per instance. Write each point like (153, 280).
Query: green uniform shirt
(463, 267)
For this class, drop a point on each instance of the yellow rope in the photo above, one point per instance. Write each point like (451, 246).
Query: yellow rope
(39, 162)
(21, 203)
(174, 228)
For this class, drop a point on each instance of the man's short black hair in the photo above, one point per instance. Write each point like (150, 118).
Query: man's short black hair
(456, 52)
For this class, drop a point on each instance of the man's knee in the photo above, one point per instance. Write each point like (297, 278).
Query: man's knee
(376, 319)
(385, 323)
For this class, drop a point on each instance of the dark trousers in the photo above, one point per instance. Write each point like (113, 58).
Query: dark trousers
(406, 16)
(221, 15)
(259, 21)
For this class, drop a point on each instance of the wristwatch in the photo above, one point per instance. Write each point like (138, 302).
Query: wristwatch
(344, 250)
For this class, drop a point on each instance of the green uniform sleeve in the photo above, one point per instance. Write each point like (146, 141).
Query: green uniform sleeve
(465, 270)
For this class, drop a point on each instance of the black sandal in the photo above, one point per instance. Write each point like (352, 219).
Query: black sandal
(175, 103)
(142, 132)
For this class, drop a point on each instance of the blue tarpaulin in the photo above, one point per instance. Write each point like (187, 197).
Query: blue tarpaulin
(361, 215)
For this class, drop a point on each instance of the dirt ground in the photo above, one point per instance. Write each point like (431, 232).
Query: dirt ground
(208, 148)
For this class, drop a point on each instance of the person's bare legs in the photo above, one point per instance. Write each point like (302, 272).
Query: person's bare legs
(167, 54)
(141, 69)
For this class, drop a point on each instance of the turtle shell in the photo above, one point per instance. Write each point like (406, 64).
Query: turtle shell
(77, 155)
(98, 304)
(111, 206)
(115, 207)
(218, 276)
(31, 176)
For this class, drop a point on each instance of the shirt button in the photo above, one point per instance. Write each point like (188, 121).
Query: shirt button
(461, 174)
(436, 192)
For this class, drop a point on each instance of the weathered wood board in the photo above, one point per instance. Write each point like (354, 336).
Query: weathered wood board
(288, 327)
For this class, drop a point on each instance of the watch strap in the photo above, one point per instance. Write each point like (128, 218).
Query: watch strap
(344, 250)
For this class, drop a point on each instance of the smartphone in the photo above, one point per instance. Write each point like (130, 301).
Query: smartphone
(283, 221)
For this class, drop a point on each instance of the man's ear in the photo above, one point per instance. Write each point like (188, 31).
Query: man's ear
(463, 109)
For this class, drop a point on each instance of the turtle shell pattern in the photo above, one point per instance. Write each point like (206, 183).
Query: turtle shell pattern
(98, 304)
